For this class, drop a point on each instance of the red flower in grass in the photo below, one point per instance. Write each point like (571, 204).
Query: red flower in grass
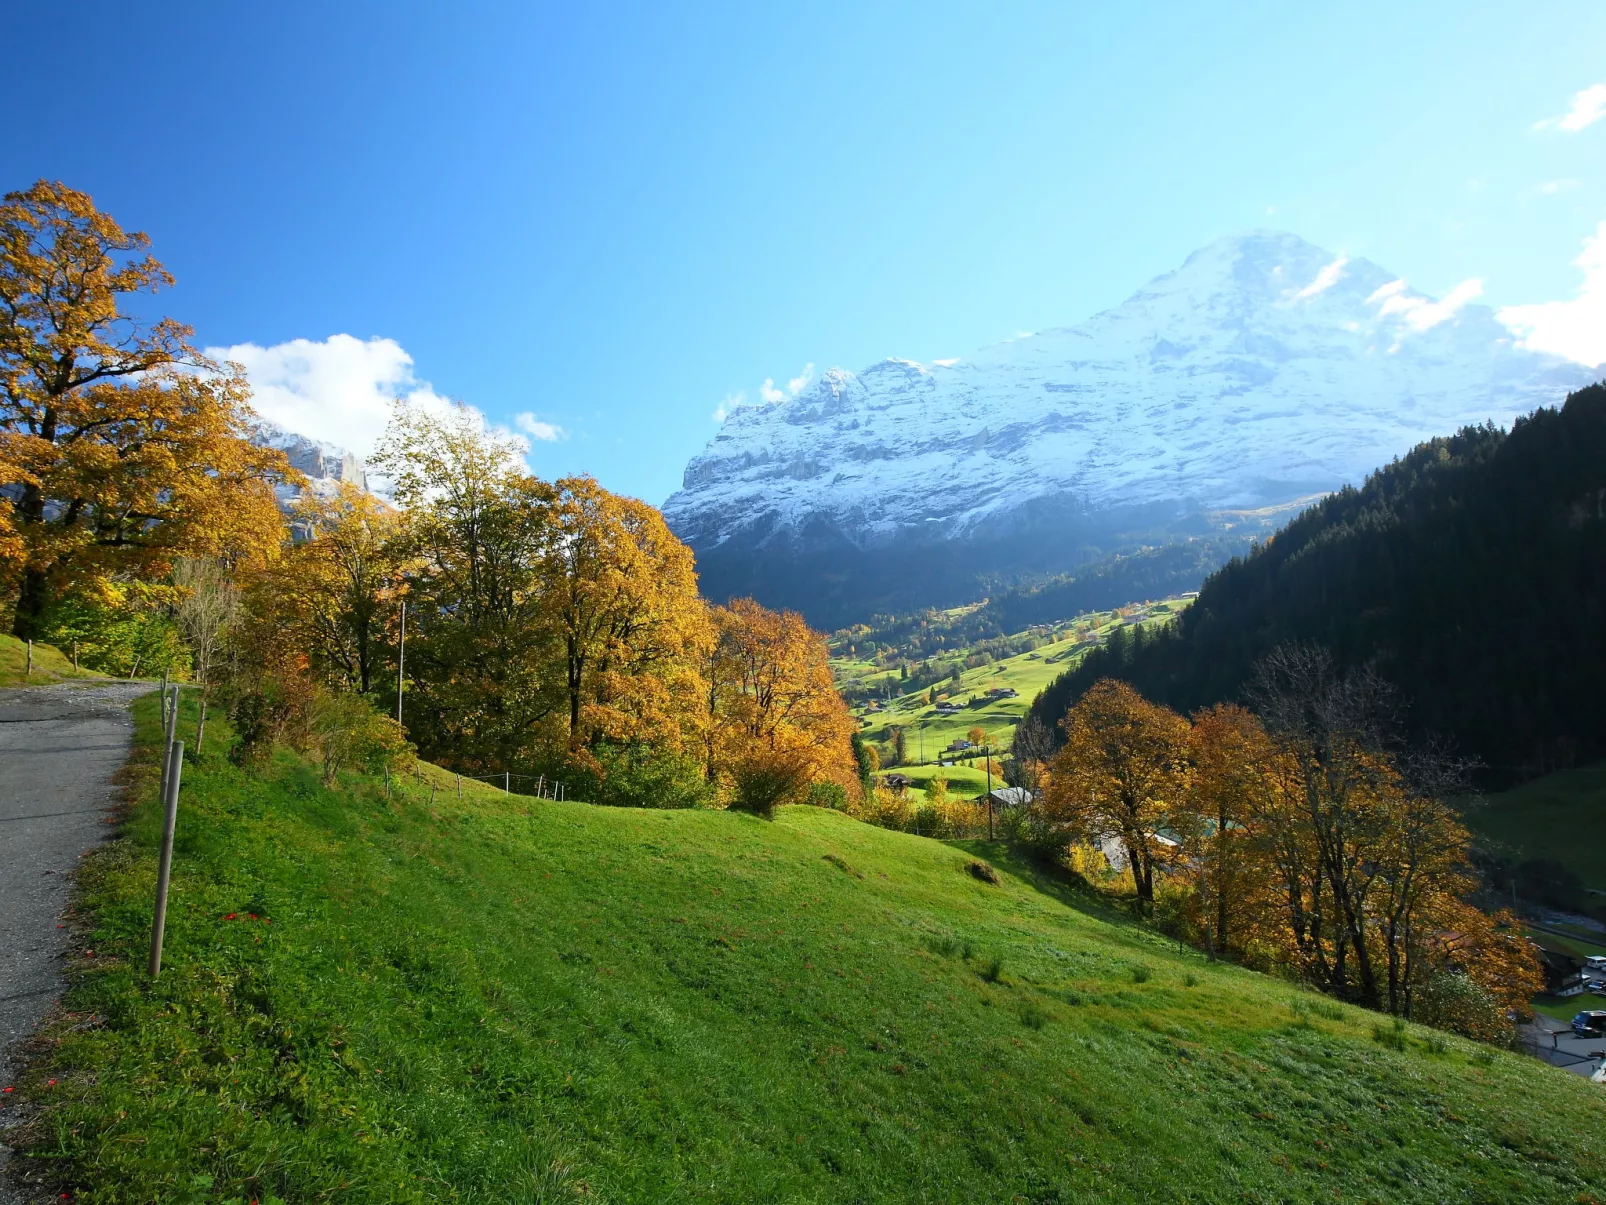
(231, 916)
(6, 1090)
(51, 1084)
(252, 915)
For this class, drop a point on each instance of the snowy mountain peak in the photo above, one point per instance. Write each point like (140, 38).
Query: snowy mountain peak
(1263, 370)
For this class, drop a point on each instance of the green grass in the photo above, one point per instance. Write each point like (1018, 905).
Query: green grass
(1027, 673)
(1560, 817)
(500, 999)
(49, 664)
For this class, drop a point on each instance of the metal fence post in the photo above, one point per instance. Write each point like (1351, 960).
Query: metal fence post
(164, 869)
(507, 782)
(28, 673)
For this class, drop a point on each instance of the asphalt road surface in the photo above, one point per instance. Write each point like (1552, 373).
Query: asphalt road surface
(59, 747)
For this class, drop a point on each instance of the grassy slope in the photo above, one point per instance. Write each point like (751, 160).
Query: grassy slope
(1561, 817)
(49, 665)
(1027, 672)
(511, 1000)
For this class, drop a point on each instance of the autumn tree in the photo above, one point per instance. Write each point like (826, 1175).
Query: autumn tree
(557, 624)
(1233, 772)
(485, 690)
(1123, 772)
(121, 448)
(342, 582)
(777, 700)
(208, 606)
(621, 603)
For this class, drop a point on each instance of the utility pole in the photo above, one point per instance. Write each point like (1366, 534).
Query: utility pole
(401, 660)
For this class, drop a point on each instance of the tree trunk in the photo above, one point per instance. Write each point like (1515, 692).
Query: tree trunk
(200, 724)
(29, 621)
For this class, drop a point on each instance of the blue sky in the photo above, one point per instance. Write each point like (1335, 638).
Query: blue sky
(609, 218)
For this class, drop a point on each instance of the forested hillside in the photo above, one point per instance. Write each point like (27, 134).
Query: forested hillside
(1471, 573)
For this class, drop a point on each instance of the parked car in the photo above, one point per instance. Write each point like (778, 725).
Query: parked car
(1590, 1023)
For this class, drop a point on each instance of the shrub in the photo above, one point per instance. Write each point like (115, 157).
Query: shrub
(1452, 1001)
(993, 968)
(350, 734)
(1032, 1016)
(767, 778)
(639, 775)
(832, 795)
(1141, 974)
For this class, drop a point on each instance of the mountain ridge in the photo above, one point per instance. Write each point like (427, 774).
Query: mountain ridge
(1262, 371)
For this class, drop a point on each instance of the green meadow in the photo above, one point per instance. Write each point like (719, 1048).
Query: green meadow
(928, 732)
(421, 997)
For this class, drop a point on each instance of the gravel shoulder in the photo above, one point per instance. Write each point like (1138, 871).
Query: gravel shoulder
(60, 745)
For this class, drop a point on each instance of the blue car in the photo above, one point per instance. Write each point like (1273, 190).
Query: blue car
(1591, 1024)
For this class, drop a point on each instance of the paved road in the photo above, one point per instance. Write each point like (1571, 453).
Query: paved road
(1553, 1041)
(59, 747)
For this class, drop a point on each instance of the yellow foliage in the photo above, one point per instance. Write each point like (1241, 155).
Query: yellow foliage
(124, 446)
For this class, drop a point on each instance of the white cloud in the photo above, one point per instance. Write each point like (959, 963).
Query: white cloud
(1325, 279)
(771, 394)
(1588, 107)
(340, 390)
(946, 363)
(343, 391)
(536, 429)
(732, 400)
(1575, 328)
(1551, 187)
(1423, 313)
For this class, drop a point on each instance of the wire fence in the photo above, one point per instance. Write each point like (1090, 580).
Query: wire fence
(545, 787)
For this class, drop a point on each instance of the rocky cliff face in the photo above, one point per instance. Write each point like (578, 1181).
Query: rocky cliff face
(1263, 371)
(324, 465)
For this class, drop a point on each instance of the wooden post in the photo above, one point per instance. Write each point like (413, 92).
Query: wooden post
(987, 756)
(507, 782)
(540, 785)
(164, 868)
(75, 656)
(28, 673)
(460, 786)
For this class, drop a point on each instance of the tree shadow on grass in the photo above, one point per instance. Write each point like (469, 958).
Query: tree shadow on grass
(1058, 883)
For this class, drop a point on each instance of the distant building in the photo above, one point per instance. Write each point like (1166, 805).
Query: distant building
(897, 783)
(1008, 797)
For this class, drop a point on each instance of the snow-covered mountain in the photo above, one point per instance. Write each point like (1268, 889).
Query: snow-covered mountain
(324, 464)
(1263, 371)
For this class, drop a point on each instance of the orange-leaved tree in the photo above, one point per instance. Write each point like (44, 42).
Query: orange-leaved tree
(1234, 774)
(120, 446)
(1123, 772)
(629, 629)
(772, 701)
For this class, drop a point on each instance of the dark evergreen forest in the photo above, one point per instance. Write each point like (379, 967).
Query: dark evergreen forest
(1471, 573)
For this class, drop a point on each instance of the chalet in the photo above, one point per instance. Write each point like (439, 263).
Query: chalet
(897, 783)
(1007, 797)
(1002, 692)
(957, 746)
